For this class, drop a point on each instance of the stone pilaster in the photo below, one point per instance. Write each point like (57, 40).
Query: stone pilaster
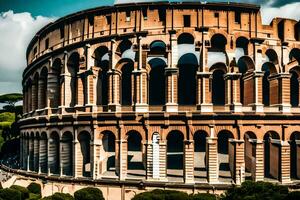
(283, 81)
(285, 163)
(189, 161)
(140, 86)
(163, 160)
(114, 84)
(171, 75)
(212, 160)
(77, 171)
(43, 155)
(253, 81)
(259, 161)
(204, 100)
(36, 154)
(232, 91)
(239, 161)
(122, 154)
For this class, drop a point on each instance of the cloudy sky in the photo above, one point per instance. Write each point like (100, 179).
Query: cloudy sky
(21, 19)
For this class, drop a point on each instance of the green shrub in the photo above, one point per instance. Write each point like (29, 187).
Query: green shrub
(33, 196)
(10, 194)
(24, 191)
(88, 193)
(59, 196)
(162, 195)
(7, 117)
(256, 190)
(5, 125)
(34, 188)
(203, 196)
(293, 196)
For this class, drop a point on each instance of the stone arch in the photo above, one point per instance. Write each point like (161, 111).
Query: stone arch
(295, 55)
(67, 153)
(272, 56)
(84, 157)
(135, 151)
(157, 81)
(71, 83)
(124, 50)
(44, 152)
(185, 38)
(175, 154)
(108, 142)
(56, 85)
(225, 154)
(34, 90)
(242, 46)
(101, 60)
(268, 68)
(126, 67)
(42, 88)
(53, 157)
(295, 155)
(200, 164)
(218, 42)
(272, 155)
(158, 48)
(294, 86)
(218, 83)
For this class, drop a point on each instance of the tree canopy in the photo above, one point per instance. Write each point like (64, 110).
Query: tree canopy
(11, 99)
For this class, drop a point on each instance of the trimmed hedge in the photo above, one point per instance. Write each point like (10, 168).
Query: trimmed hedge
(203, 196)
(34, 188)
(293, 196)
(162, 195)
(24, 191)
(10, 194)
(59, 196)
(88, 193)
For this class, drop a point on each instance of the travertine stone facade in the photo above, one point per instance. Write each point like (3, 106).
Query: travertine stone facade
(164, 92)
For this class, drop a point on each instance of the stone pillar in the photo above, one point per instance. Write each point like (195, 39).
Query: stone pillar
(253, 83)
(140, 88)
(232, 91)
(239, 161)
(36, 154)
(34, 101)
(48, 158)
(114, 83)
(204, 100)
(285, 162)
(259, 161)
(76, 149)
(122, 154)
(212, 160)
(95, 159)
(171, 75)
(66, 90)
(41, 93)
(163, 160)
(284, 92)
(189, 161)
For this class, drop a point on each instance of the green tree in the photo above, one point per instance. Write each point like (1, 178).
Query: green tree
(88, 193)
(11, 99)
(59, 196)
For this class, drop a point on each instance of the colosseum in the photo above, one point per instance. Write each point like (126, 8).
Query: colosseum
(154, 93)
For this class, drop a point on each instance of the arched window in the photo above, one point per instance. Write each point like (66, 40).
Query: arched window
(294, 89)
(126, 70)
(72, 82)
(157, 82)
(224, 154)
(55, 101)
(218, 84)
(84, 157)
(43, 85)
(266, 85)
(67, 153)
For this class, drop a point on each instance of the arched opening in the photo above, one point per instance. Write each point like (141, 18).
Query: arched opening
(53, 157)
(55, 101)
(245, 64)
(44, 152)
(35, 94)
(84, 139)
(242, 45)
(186, 38)
(188, 65)
(218, 84)
(108, 164)
(67, 154)
(36, 152)
(250, 155)
(135, 160)
(29, 95)
(31, 152)
(294, 88)
(200, 172)
(272, 162)
(295, 155)
(175, 154)
(266, 85)
(126, 70)
(43, 84)
(295, 55)
(226, 156)
(218, 42)
(101, 60)
(71, 82)
(157, 62)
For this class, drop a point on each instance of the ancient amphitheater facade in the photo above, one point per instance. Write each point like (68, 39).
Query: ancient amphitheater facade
(164, 92)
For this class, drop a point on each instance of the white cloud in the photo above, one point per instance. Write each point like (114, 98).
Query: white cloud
(16, 31)
(287, 11)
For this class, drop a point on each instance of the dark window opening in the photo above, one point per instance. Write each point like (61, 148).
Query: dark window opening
(216, 15)
(187, 20)
(91, 20)
(108, 19)
(128, 16)
(62, 32)
(281, 30)
(237, 17)
(35, 50)
(145, 14)
(47, 43)
(162, 15)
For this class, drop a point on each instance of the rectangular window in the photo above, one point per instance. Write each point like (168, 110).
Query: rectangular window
(108, 19)
(216, 15)
(162, 15)
(145, 14)
(91, 20)
(62, 32)
(237, 17)
(128, 16)
(47, 43)
(35, 50)
(187, 20)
